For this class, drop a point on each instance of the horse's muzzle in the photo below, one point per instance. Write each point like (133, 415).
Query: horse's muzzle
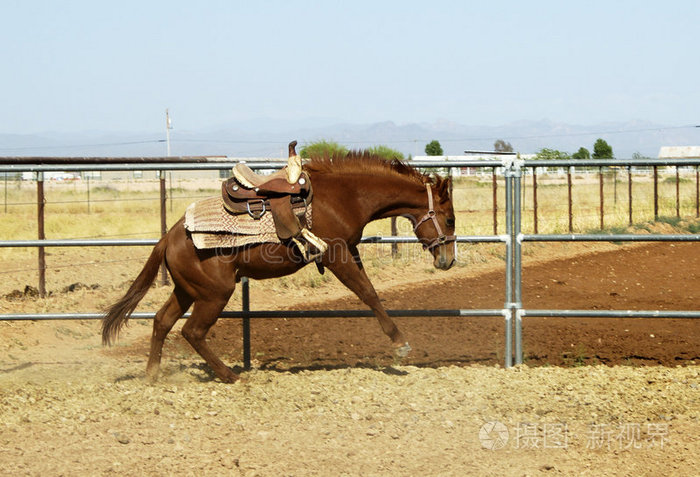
(443, 263)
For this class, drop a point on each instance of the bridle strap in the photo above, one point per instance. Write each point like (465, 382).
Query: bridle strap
(430, 215)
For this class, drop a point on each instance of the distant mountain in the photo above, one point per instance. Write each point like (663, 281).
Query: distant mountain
(268, 138)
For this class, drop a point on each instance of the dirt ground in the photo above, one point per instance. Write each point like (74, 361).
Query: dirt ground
(326, 397)
(647, 277)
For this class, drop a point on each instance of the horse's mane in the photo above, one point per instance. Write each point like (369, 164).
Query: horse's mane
(365, 162)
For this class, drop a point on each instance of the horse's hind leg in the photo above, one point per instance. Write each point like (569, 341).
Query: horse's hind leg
(170, 312)
(204, 315)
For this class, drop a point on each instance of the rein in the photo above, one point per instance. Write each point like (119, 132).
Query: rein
(430, 215)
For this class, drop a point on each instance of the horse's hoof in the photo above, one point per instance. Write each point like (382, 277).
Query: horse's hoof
(151, 379)
(152, 376)
(403, 350)
(229, 379)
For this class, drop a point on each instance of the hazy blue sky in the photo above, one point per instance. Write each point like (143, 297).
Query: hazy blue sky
(116, 66)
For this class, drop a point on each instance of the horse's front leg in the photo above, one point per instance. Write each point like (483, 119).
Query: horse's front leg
(345, 263)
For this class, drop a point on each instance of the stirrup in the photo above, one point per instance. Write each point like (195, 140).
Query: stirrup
(315, 241)
(312, 239)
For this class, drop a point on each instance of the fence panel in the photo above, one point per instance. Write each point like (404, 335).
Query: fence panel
(518, 238)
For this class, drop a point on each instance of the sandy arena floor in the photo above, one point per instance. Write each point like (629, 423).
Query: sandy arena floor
(326, 398)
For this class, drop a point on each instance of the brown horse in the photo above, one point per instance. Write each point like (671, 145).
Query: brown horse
(349, 192)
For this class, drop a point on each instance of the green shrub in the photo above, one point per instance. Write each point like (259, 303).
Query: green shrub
(323, 148)
(385, 152)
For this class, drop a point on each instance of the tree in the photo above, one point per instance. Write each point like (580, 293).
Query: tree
(322, 149)
(502, 146)
(582, 153)
(433, 148)
(602, 150)
(545, 153)
(385, 152)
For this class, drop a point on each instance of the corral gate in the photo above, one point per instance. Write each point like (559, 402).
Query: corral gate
(511, 168)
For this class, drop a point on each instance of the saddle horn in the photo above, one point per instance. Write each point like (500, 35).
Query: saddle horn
(293, 164)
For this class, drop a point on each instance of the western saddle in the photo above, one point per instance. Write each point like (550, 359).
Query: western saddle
(280, 194)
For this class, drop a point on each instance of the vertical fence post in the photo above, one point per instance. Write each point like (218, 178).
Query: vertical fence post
(5, 192)
(40, 202)
(495, 200)
(678, 194)
(88, 194)
(245, 306)
(534, 197)
(697, 192)
(517, 265)
(602, 199)
(394, 233)
(170, 194)
(163, 224)
(508, 306)
(656, 193)
(571, 202)
(629, 192)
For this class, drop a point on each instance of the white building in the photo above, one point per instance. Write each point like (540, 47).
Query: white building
(476, 156)
(679, 152)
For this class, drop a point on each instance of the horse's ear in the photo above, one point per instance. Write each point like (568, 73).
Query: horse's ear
(444, 189)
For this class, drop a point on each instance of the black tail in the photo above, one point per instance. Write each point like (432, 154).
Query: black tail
(118, 314)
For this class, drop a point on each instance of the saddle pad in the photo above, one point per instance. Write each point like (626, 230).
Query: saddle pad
(212, 226)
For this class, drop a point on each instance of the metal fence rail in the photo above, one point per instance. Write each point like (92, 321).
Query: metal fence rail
(648, 314)
(439, 312)
(152, 242)
(609, 238)
(513, 310)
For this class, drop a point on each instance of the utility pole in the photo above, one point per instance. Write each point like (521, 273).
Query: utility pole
(164, 197)
(168, 127)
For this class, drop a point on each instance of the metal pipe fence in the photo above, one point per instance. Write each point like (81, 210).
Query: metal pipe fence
(519, 311)
(552, 213)
(511, 169)
(611, 171)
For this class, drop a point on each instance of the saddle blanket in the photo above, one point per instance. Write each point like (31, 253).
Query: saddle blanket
(212, 226)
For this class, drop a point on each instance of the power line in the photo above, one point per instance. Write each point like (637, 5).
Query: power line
(463, 139)
(537, 136)
(592, 133)
(358, 141)
(71, 146)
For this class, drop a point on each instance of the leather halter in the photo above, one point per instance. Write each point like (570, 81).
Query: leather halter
(430, 215)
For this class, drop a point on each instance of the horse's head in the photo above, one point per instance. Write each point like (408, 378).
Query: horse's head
(436, 227)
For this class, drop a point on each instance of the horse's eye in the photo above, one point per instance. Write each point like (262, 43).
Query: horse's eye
(450, 222)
